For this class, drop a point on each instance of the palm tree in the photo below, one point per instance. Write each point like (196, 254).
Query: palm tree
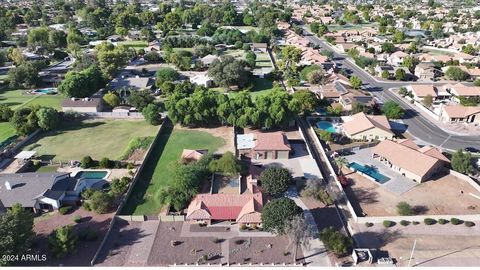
(341, 162)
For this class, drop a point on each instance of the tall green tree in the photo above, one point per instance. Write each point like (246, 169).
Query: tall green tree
(62, 241)
(462, 162)
(275, 180)
(16, 233)
(277, 213)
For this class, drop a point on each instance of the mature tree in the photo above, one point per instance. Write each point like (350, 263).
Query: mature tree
(140, 99)
(17, 56)
(307, 100)
(355, 82)
(100, 202)
(392, 110)
(469, 49)
(24, 121)
(5, 113)
(227, 164)
(48, 118)
(57, 39)
(400, 74)
(171, 22)
(152, 57)
(277, 213)
(111, 59)
(462, 162)
(228, 71)
(112, 99)
(119, 186)
(456, 74)
(24, 75)
(299, 233)
(410, 62)
(398, 36)
(290, 57)
(388, 47)
(16, 233)
(38, 37)
(428, 100)
(251, 58)
(81, 84)
(327, 53)
(316, 77)
(152, 114)
(166, 74)
(275, 180)
(314, 189)
(385, 74)
(335, 241)
(62, 241)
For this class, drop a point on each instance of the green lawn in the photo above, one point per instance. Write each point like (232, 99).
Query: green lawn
(260, 86)
(97, 138)
(136, 44)
(182, 49)
(157, 172)
(234, 53)
(18, 98)
(6, 131)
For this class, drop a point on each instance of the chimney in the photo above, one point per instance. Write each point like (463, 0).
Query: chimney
(7, 185)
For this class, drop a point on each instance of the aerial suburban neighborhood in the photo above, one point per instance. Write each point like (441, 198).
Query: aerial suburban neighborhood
(246, 133)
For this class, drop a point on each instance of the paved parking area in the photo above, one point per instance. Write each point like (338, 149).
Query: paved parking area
(397, 184)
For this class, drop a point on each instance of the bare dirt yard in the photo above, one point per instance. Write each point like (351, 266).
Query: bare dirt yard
(447, 195)
(266, 250)
(85, 251)
(225, 133)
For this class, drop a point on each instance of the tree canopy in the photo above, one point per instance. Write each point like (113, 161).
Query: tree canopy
(392, 110)
(275, 180)
(462, 162)
(16, 233)
(227, 71)
(278, 213)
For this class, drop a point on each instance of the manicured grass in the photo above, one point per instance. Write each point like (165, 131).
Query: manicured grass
(97, 138)
(136, 44)
(48, 169)
(337, 27)
(182, 49)
(235, 53)
(260, 86)
(157, 172)
(6, 131)
(17, 98)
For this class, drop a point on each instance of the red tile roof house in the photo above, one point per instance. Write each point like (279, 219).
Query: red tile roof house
(271, 145)
(245, 208)
(189, 155)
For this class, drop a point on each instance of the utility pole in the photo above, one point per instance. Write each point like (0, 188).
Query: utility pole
(411, 254)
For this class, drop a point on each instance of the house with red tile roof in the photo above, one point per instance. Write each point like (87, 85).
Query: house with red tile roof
(268, 145)
(189, 155)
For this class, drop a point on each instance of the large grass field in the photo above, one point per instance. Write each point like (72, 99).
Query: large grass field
(97, 138)
(17, 98)
(157, 172)
(6, 131)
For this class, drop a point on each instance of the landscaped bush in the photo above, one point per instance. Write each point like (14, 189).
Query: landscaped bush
(469, 224)
(218, 240)
(404, 222)
(455, 221)
(415, 222)
(87, 207)
(243, 227)
(404, 209)
(368, 224)
(77, 219)
(105, 163)
(442, 221)
(388, 223)
(335, 241)
(86, 162)
(239, 241)
(64, 210)
(140, 143)
(429, 221)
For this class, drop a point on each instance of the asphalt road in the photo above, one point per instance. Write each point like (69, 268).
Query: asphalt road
(417, 125)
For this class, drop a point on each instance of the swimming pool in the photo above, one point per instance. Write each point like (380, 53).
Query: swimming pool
(45, 91)
(370, 171)
(327, 126)
(92, 174)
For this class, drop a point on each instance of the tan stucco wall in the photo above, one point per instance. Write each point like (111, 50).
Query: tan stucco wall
(371, 134)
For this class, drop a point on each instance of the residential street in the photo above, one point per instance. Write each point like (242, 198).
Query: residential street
(418, 126)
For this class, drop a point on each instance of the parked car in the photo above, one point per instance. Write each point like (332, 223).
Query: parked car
(472, 150)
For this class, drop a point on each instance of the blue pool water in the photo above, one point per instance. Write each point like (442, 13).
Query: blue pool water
(45, 91)
(92, 174)
(327, 126)
(372, 172)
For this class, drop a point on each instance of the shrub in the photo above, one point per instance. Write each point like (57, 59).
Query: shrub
(442, 221)
(415, 222)
(86, 162)
(335, 241)
(404, 209)
(87, 206)
(239, 241)
(455, 221)
(77, 219)
(63, 210)
(217, 240)
(469, 224)
(368, 224)
(105, 163)
(243, 227)
(388, 223)
(429, 221)
(130, 166)
(404, 222)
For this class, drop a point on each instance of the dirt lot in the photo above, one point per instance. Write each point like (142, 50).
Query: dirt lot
(225, 133)
(44, 225)
(188, 250)
(442, 196)
(262, 249)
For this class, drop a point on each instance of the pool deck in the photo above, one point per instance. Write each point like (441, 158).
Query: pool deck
(397, 184)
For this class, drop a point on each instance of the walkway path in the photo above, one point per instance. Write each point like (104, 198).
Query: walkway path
(140, 251)
(225, 252)
(316, 255)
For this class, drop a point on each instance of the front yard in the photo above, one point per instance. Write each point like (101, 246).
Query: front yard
(6, 131)
(158, 170)
(97, 138)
